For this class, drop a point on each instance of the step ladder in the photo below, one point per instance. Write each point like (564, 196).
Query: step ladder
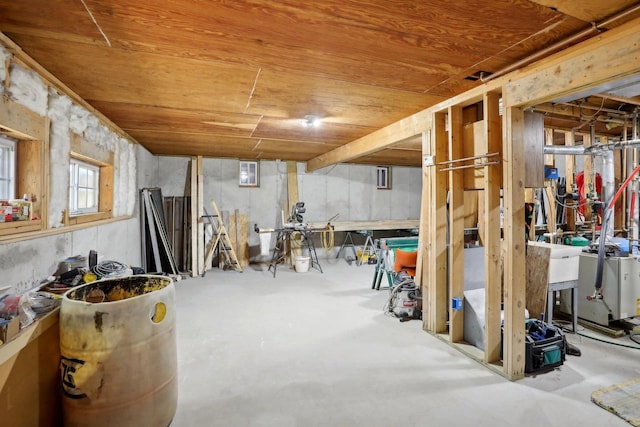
(221, 241)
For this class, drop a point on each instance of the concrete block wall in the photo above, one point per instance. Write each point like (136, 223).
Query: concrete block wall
(345, 189)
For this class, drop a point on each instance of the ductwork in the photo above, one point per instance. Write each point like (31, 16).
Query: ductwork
(565, 150)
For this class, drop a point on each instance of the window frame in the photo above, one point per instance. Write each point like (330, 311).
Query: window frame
(248, 182)
(75, 166)
(10, 164)
(383, 177)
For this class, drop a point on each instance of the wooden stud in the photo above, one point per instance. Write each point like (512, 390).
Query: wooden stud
(552, 215)
(456, 225)
(534, 149)
(492, 232)
(195, 218)
(422, 277)
(293, 198)
(437, 230)
(570, 165)
(45, 189)
(514, 244)
(200, 212)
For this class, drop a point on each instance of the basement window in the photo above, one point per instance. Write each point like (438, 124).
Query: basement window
(249, 174)
(7, 168)
(84, 187)
(383, 181)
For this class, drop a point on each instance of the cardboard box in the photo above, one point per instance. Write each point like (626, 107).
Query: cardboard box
(9, 329)
(21, 209)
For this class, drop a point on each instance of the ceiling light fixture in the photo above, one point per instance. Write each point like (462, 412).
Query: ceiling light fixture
(311, 121)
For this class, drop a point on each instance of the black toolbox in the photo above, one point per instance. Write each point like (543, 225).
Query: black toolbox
(546, 346)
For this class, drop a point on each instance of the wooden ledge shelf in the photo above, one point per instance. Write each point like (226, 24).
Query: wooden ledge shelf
(30, 375)
(15, 227)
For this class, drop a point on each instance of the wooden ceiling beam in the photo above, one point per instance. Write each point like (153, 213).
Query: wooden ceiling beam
(375, 141)
(399, 131)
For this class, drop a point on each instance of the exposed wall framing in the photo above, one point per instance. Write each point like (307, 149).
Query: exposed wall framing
(595, 62)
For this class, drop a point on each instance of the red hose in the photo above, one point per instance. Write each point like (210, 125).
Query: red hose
(623, 186)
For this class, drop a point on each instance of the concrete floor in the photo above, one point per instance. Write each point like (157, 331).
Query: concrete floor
(312, 349)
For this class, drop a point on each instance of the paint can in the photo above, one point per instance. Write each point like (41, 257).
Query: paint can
(118, 348)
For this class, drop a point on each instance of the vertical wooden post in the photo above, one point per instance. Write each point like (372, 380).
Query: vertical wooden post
(491, 234)
(193, 194)
(200, 212)
(292, 199)
(422, 276)
(550, 187)
(197, 210)
(514, 243)
(570, 166)
(456, 225)
(437, 230)
(45, 189)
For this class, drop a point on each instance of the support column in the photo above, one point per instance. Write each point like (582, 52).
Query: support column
(436, 258)
(514, 244)
(456, 225)
(491, 226)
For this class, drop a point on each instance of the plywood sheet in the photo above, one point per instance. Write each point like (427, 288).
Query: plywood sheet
(239, 235)
(537, 279)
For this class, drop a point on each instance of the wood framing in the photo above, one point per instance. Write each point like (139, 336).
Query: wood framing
(375, 141)
(456, 225)
(293, 198)
(200, 213)
(435, 258)
(30, 374)
(422, 276)
(611, 56)
(570, 165)
(196, 218)
(492, 231)
(32, 162)
(514, 244)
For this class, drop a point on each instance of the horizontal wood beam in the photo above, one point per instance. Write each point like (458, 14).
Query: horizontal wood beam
(603, 59)
(375, 141)
(388, 224)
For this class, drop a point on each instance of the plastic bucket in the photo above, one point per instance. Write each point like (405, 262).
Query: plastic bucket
(302, 264)
(118, 348)
(265, 242)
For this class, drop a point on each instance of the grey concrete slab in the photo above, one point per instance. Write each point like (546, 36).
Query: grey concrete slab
(312, 349)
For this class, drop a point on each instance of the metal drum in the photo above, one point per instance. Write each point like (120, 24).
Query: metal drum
(118, 347)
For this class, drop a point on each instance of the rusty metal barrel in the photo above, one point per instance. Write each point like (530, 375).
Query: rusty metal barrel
(118, 348)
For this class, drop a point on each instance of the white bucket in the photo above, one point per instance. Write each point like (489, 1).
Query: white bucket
(302, 264)
(265, 242)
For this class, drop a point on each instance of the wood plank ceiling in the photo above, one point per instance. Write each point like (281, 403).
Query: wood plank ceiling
(236, 79)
